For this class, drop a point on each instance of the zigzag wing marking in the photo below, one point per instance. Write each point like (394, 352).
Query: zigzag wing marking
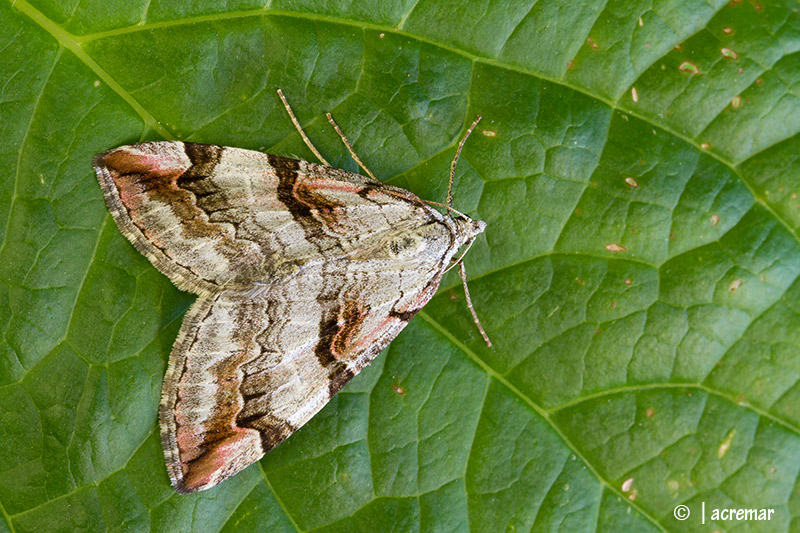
(246, 372)
(213, 217)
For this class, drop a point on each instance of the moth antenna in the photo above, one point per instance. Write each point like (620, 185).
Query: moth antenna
(455, 160)
(456, 211)
(350, 148)
(300, 129)
(463, 273)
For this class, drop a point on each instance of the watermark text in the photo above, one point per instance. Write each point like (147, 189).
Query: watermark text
(723, 514)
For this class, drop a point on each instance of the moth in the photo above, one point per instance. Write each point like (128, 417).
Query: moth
(303, 273)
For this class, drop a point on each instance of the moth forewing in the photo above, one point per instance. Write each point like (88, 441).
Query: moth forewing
(304, 274)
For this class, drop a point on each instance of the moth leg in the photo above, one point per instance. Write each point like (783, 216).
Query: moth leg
(350, 148)
(459, 261)
(300, 129)
(463, 273)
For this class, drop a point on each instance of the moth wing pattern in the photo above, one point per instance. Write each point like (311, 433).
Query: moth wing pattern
(282, 355)
(304, 274)
(212, 217)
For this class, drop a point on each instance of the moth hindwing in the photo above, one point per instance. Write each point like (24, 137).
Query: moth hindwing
(303, 272)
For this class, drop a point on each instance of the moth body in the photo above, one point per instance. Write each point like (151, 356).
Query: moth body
(303, 272)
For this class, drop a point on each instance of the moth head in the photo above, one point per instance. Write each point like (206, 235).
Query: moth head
(473, 228)
(465, 229)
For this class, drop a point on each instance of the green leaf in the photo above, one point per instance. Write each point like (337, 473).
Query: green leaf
(637, 167)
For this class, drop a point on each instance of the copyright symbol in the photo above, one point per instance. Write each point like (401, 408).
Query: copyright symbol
(681, 512)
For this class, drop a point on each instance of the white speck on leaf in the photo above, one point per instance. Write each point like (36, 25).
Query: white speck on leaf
(726, 444)
(627, 485)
